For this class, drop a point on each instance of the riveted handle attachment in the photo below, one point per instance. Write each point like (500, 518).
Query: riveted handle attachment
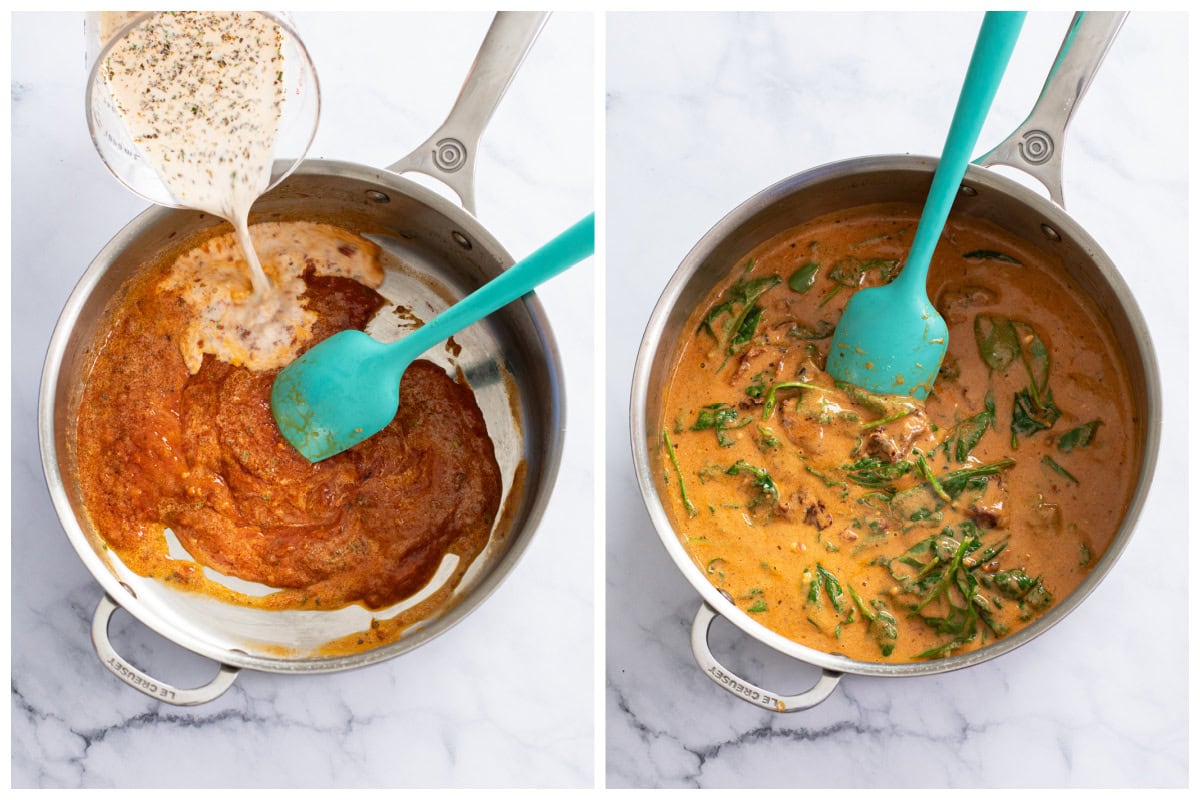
(449, 154)
(1036, 146)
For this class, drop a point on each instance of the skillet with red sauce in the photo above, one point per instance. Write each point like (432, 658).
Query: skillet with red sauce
(164, 452)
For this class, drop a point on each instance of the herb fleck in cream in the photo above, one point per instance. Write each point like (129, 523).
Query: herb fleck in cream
(202, 94)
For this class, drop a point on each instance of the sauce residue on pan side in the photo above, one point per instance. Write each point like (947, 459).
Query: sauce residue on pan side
(881, 528)
(160, 447)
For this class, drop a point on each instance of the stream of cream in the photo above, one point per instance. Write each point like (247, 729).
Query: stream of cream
(201, 93)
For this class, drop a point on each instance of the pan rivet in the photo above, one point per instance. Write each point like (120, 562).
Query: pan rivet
(129, 589)
(463, 241)
(378, 197)
(1051, 233)
(969, 191)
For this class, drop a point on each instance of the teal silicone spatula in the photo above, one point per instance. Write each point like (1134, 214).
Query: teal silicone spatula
(346, 389)
(890, 339)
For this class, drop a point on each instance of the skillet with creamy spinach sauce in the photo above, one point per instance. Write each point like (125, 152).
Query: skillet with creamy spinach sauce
(880, 527)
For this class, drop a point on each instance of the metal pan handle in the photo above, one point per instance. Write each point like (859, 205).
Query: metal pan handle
(449, 154)
(745, 690)
(143, 682)
(1036, 146)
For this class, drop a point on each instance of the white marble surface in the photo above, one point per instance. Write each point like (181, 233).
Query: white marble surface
(505, 698)
(702, 112)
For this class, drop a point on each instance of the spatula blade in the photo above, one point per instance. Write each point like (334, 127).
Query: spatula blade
(889, 342)
(330, 398)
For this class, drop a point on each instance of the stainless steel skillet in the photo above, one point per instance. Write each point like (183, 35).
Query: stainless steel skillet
(435, 252)
(1034, 148)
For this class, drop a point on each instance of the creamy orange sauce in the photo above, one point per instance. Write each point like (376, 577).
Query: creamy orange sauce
(163, 446)
(882, 528)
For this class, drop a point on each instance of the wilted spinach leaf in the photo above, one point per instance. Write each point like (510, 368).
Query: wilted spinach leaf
(916, 504)
(746, 328)
(822, 330)
(767, 438)
(1036, 358)
(868, 400)
(740, 305)
(803, 279)
(1012, 583)
(1056, 467)
(769, 399)
(991, 255)
(687, 503)
(945, 574)
(720, 417)
(876, 473)
(824, 581)
(966, 434)
(996, 339)
(955, 482)
(758, 385)
(1029, 417)
(832, 587)
(879, 620)
(850, 272)
(766, 492)
(1078, 437)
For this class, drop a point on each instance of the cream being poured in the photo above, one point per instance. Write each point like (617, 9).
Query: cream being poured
(202, 95)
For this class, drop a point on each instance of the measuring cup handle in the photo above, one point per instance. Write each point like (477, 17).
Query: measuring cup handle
(449, 154)
(139, 680)
(1036, 146)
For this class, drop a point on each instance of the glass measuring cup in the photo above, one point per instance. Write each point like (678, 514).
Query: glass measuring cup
(299, 113)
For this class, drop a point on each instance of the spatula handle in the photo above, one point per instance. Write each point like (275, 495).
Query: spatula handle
(997, 37)
(565, 250)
